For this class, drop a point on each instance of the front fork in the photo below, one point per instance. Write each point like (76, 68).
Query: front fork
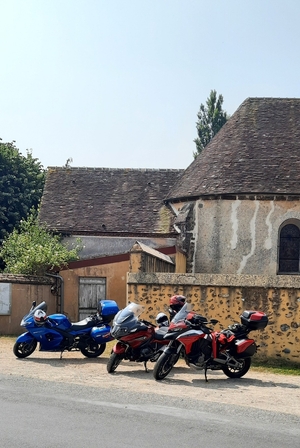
(174, 348)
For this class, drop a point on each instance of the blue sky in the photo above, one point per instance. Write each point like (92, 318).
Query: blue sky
(118, 83)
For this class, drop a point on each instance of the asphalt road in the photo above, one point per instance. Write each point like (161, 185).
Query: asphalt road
(38, 413)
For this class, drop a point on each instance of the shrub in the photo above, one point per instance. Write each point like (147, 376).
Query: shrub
(33, 250)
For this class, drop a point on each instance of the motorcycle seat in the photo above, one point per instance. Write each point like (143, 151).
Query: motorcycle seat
(161, 332)
(85, 323)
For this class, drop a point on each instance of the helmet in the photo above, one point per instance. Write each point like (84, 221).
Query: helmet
(162, 320)
(40, 317)
(176, 303)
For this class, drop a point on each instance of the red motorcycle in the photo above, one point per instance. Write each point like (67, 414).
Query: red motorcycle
(229, 350)
(138, 339)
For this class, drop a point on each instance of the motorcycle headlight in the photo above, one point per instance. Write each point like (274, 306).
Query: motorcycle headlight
(119, 331)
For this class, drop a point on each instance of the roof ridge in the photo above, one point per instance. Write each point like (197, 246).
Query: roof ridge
(87, 168)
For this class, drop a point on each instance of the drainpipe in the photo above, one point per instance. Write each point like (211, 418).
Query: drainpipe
(60, 291)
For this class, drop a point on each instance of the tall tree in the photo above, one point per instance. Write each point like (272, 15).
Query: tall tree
(210, 120)
(21, 186)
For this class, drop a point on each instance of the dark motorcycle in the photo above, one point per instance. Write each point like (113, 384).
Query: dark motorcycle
(229, 350)
(56, 333)
(138, 339)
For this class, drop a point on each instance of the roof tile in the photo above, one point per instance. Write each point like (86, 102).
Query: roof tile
(107, 201)
(256, 151)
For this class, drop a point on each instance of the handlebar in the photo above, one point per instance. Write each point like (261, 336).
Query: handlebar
(148, 323)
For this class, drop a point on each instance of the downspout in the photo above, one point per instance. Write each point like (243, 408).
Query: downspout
(60, 291)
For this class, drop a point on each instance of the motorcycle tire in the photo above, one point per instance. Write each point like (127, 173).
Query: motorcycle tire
(238, 373)
(24, 349)
(164, 365)
(93, 350)
(113, 362)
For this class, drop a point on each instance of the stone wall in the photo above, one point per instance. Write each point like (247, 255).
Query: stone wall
(225, 297)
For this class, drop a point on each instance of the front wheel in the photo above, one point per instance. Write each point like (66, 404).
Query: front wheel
(238, 372)
(113, 362)
(93, 350)
(164, 365)
(24, 349)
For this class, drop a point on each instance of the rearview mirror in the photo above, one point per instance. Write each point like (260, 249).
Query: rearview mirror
(214, 321)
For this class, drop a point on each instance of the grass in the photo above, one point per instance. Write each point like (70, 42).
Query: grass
(274, 365)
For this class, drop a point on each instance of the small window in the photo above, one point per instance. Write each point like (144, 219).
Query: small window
(289, 249)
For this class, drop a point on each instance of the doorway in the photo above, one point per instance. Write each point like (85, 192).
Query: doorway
(91, 290)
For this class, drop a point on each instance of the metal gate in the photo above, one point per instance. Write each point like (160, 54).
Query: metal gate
(91, 290)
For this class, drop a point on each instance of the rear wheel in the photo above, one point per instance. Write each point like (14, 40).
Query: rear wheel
(238, 372)
(113, 362)
(93, 350)
(24, 349)
(164, 365)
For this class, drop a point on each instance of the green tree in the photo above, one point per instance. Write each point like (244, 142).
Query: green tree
(210, 120)
(32, 250)
(22, 181)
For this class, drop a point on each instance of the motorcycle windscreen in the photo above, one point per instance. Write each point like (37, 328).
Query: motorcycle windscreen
(133, 310)
(40, 306)
(182, 314)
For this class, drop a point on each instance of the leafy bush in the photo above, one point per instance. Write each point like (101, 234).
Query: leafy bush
(33, 250)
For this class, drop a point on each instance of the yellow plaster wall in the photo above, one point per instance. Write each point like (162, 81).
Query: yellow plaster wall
(115, 274)
(280, 339)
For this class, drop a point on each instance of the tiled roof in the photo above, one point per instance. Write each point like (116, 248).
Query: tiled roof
(257, 151)
(108, 201)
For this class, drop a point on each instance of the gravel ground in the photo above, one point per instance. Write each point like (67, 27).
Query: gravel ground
(270, 392)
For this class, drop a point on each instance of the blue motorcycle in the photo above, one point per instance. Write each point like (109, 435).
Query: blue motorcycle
(56, 333)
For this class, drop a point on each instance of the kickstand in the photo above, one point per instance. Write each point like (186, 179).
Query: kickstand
(61, 353)
(205, 374)
(145, 365)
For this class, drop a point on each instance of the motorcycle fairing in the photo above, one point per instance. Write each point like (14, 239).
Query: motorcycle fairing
(48, 341)
(160, 333)
(25, 337)
(101, 334)
(119, 348)
(60, 321)
(189, 337)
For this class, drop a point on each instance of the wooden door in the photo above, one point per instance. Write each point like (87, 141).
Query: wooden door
(91, 290)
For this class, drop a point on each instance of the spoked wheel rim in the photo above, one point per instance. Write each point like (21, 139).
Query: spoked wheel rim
(164, 365)
(24, 349)
(239, 371)
(93, 350)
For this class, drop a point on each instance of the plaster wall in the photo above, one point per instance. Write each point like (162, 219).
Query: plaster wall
(238, 236)
(115, 274)
(22, 296)
(225, 297)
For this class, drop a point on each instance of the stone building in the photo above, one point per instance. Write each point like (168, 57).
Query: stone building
(108, 210)
(237, 205)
